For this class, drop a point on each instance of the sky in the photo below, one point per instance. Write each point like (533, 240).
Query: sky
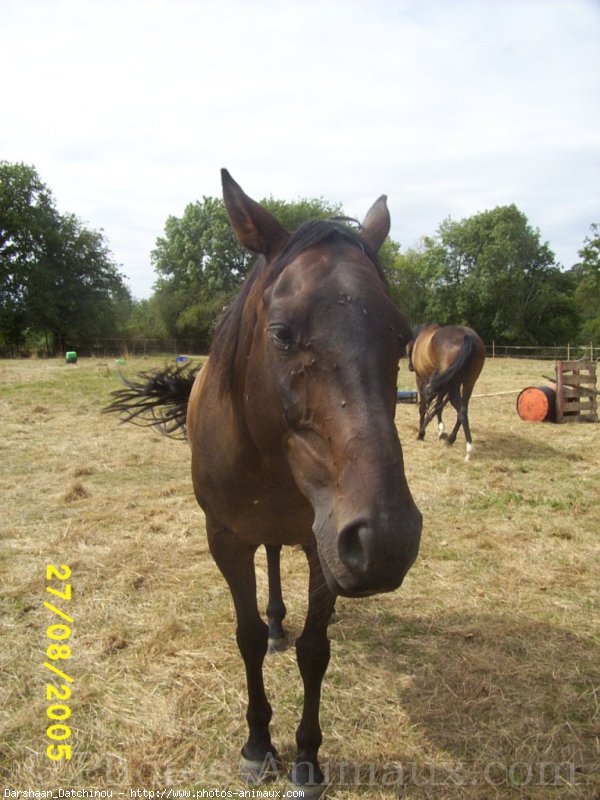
(128, 109)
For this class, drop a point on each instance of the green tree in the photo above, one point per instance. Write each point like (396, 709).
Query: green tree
(586, 275)
(27, 219)
(144, 320)
(58, 281)
(75, 287)
(200, 264)
(491, 271)
(408, 283)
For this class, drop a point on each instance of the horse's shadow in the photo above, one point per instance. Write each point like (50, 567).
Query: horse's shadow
(493, 446)
(496, 701)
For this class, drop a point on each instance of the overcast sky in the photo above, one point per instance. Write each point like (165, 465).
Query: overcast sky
(128, 108)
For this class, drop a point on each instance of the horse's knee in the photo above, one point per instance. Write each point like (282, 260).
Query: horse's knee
(252, 641)
(313, 656)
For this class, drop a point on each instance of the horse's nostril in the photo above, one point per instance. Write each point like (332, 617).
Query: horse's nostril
(353, 547)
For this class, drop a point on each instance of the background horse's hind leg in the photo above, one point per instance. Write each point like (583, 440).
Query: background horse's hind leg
(462, 411)
(276, 609)
(441, 427)
(457, 403)
(438, 402)
(461, 404)
(312, 649)
(465, 421)
(467, 431)
(236, 562)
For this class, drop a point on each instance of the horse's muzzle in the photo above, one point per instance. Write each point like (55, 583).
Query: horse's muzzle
(373, 559)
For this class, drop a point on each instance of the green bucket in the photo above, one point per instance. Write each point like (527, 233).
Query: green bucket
(71, 357)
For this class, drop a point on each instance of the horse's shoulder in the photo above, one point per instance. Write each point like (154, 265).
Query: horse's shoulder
(203, 400)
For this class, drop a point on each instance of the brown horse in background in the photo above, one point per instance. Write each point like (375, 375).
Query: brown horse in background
(447, 362)
(293, 440)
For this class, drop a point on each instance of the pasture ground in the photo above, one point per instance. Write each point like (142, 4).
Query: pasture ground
(478, 679)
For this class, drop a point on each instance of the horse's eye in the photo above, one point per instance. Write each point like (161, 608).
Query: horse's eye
(282, 335)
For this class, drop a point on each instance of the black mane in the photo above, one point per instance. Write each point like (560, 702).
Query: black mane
(309, 234)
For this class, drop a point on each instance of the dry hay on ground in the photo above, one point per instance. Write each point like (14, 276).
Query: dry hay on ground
(479, 679)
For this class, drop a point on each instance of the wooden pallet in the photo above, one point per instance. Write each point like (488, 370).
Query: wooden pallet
(576, 394)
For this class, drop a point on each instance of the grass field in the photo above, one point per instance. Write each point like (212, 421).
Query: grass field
(478, 679)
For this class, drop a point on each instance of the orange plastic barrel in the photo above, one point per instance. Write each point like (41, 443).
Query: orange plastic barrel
(537, 404)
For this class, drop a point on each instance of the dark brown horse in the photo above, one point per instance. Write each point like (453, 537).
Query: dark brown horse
(447, 362)
(291, 427)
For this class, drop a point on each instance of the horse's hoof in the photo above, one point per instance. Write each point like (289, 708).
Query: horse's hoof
(255, 773)
(308, 792)
(277, 644)
(305, 780)
(443, 437)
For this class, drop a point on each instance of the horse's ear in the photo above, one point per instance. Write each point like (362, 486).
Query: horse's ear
(376, 225)
(255, 227)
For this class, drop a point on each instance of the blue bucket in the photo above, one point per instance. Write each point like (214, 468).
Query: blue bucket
(406, 397)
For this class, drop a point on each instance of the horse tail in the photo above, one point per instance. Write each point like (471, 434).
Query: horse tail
(440, 383)
(159, 400)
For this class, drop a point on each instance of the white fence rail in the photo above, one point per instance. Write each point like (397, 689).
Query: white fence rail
(565, 352)
(143, 347)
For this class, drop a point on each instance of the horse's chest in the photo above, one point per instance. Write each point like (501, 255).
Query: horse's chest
(259, 501)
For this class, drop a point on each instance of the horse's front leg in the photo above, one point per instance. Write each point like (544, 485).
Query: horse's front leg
(422, 413)
(276, 609)
(312, 650)
(236, 561)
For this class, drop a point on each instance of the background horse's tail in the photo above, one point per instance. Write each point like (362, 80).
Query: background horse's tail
(440, 384)
(159, 400)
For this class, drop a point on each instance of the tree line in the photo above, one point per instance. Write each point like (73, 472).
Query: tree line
(60, 287)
